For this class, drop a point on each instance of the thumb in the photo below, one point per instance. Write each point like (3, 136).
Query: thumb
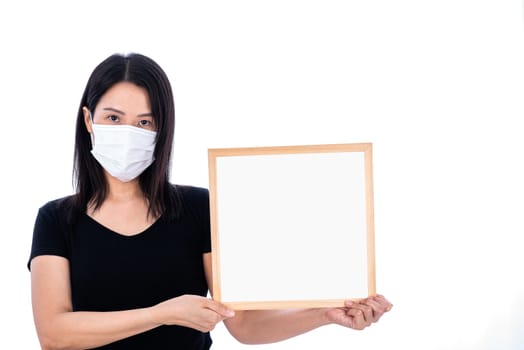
(220, 309)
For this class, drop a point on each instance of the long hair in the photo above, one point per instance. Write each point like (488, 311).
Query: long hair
(88, 176)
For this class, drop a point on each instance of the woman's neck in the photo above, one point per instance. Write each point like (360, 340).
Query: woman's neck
(123, 191)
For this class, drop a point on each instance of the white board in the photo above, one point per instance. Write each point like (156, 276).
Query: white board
(292, 226)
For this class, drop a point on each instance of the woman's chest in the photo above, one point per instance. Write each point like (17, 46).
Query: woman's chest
(127, 220)
(109, 269)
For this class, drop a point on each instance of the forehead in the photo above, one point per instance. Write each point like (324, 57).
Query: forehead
(127, 97)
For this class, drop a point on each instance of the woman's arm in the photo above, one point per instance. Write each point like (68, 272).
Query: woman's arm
(261, 326)
(58, 327)
(268, 326)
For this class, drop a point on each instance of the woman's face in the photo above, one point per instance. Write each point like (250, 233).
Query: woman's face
(123, 104)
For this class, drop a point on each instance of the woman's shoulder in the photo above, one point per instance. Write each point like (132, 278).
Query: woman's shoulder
(194, 200)
(58, 205)
(192, 193)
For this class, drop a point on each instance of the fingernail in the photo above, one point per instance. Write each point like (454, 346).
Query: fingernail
(348, 303)
(230, 313)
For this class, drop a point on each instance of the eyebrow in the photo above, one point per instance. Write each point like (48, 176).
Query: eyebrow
(148, 114)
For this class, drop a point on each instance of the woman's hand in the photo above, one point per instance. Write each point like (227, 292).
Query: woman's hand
(359, 315)
(191, 311)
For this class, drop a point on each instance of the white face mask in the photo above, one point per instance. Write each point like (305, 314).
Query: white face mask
(124, 151)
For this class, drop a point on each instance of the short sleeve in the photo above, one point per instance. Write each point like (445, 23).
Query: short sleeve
(49, 237)
(205, 223)
(196, 204)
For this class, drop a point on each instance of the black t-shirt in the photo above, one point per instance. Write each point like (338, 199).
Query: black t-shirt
(111, 272)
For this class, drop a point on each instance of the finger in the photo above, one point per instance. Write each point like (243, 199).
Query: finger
(354, 312)
(348, 303)
(366, 310)
(383, 301)
(357, 318)
(340, 317)
(212, 320)
(220, 309)
(206, 320)
(377, 308)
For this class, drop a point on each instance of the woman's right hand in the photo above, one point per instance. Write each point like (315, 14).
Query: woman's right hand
(191, 311)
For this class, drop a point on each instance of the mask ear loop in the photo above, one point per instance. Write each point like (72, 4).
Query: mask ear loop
(92, 133)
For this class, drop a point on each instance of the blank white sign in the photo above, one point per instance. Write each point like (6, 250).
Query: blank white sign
(292, 226)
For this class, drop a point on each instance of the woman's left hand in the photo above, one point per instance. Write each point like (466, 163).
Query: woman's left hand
(361, 314)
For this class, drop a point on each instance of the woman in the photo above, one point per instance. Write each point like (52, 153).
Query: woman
(125, 262)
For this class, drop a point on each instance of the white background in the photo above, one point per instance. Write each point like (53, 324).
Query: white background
(437, 86)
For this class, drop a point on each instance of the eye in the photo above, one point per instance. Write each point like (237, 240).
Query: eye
(145, 123)
(113, 118)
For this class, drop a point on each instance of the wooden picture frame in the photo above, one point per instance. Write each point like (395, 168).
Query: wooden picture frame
(292, 226)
